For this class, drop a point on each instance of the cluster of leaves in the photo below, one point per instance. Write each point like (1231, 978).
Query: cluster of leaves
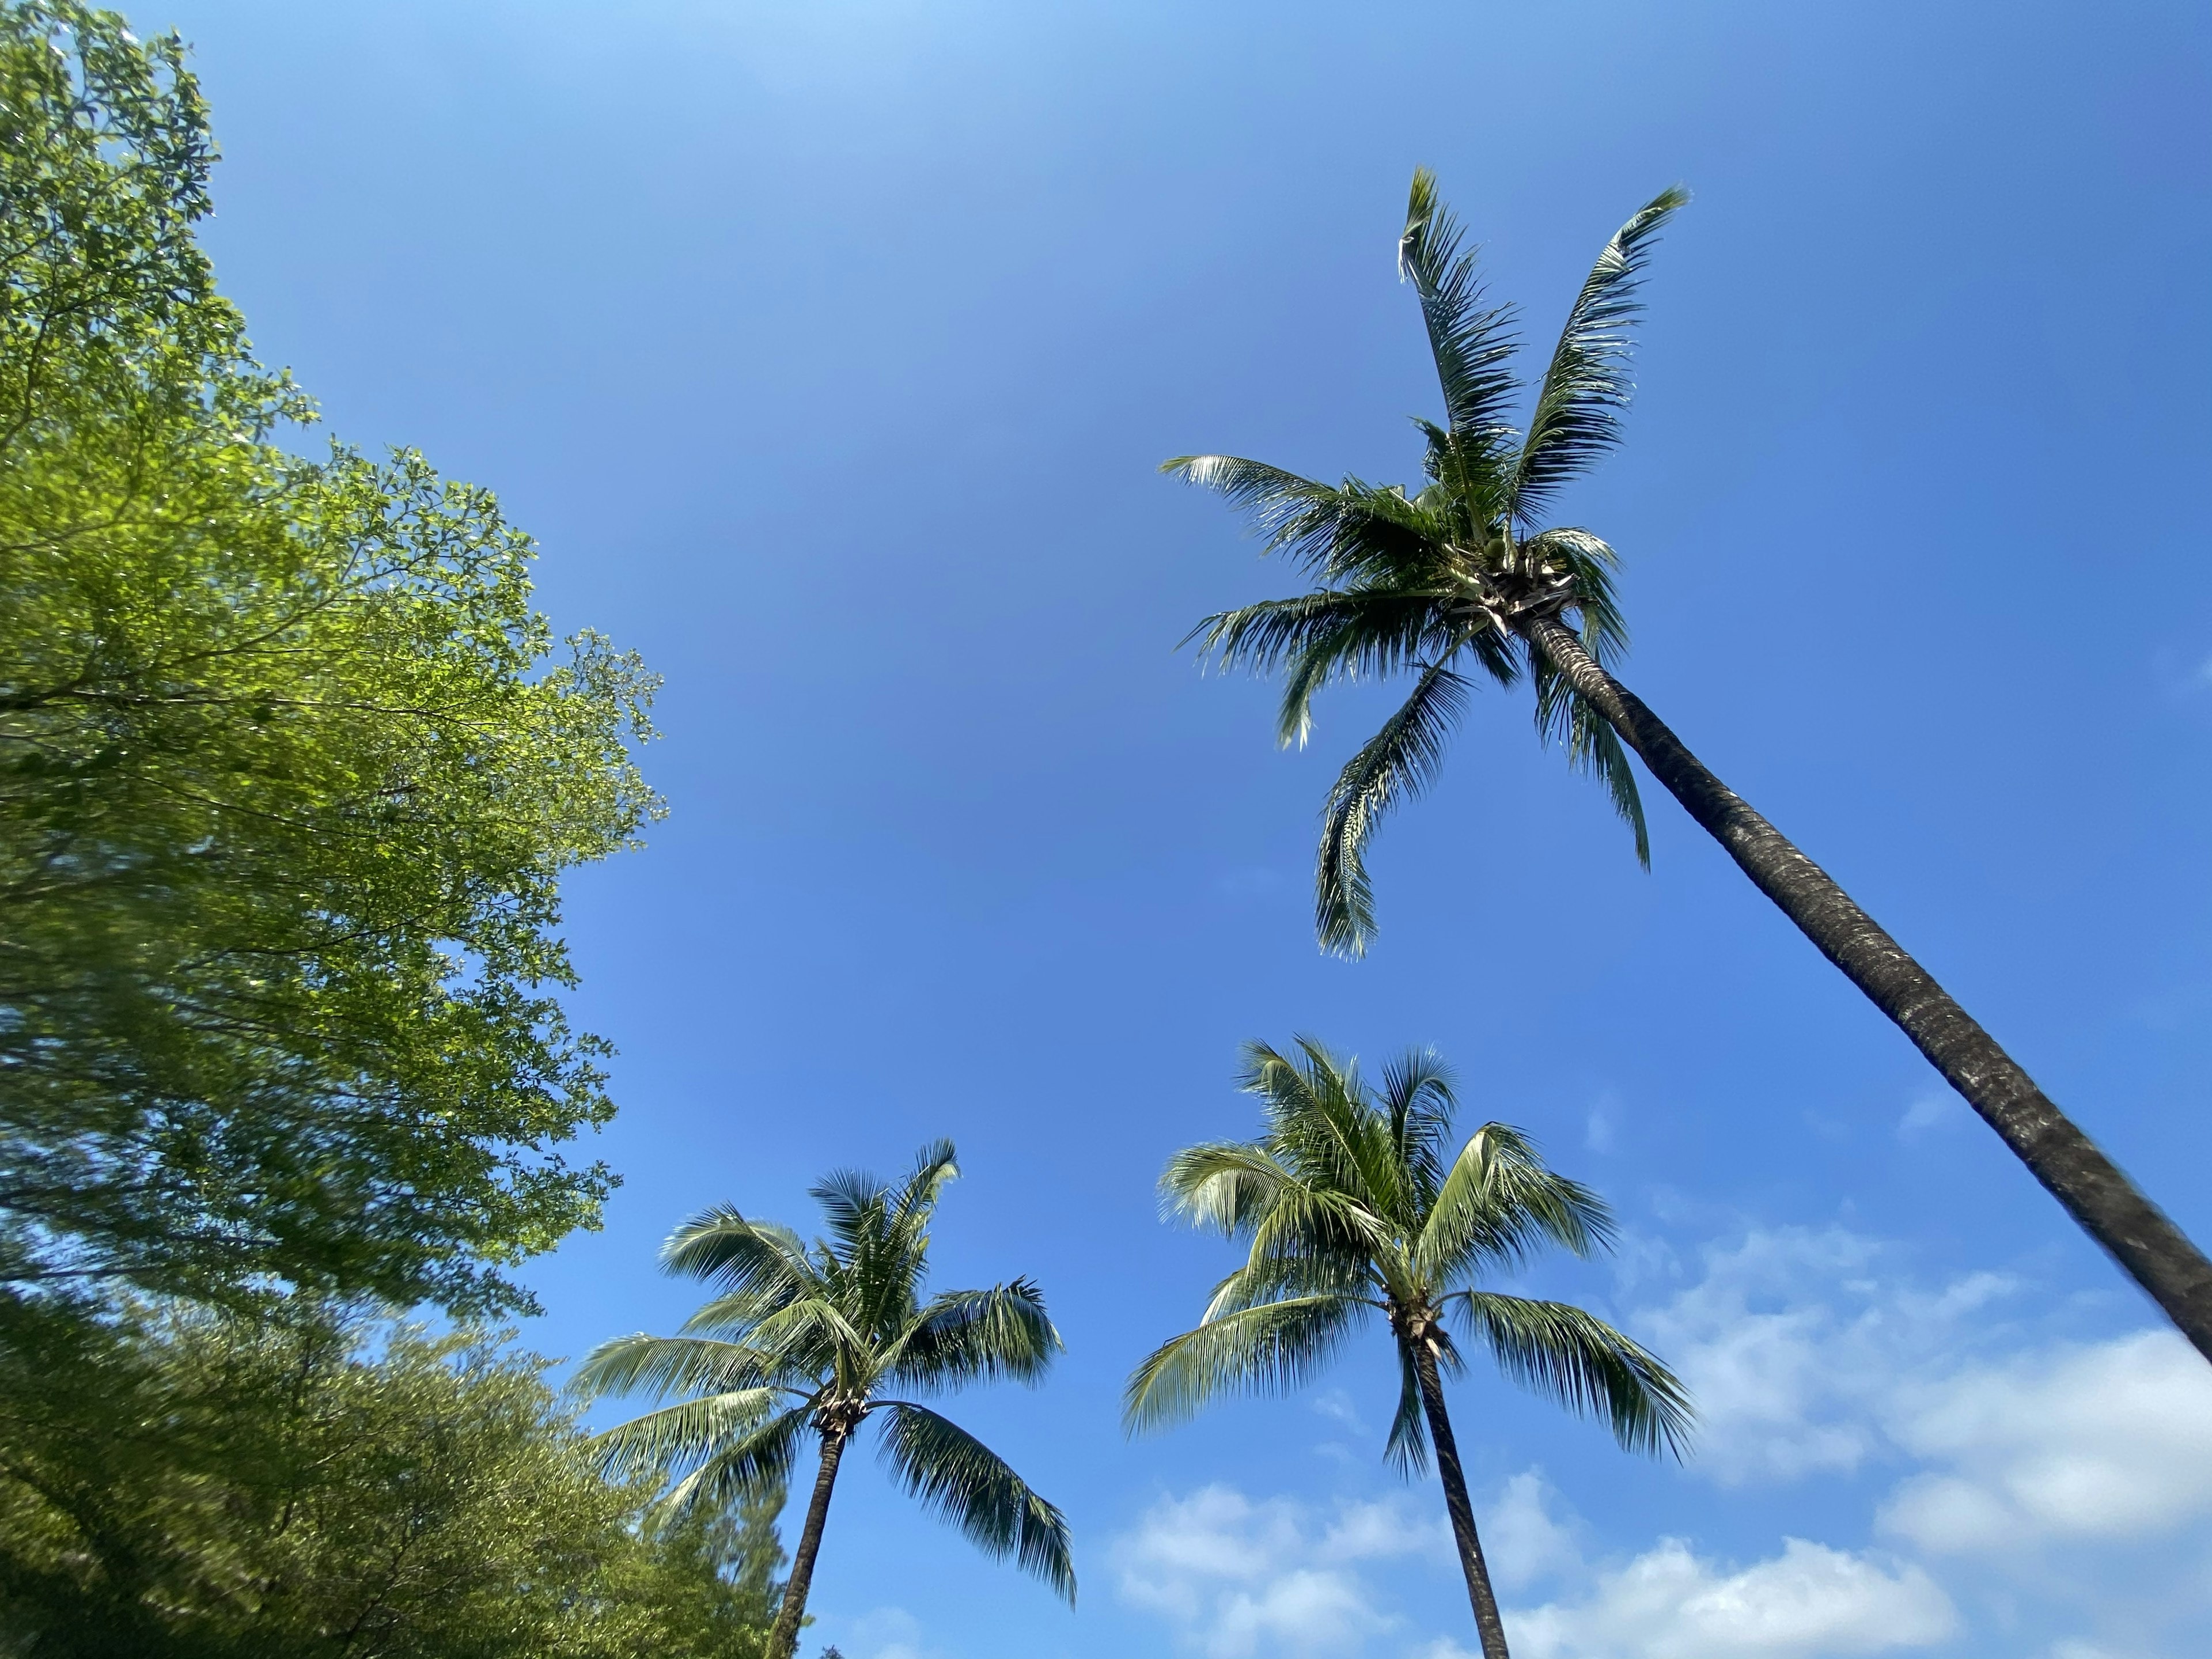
(179, 1481)
(289, 768)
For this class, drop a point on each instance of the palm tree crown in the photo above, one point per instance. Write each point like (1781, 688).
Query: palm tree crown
(815, 1337)
(1356, 1207)
(1441, 583)
(1462, 577)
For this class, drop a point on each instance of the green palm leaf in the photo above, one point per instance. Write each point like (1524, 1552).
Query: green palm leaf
(965, 1336)
(1473, 343)
(1576, 1358)
(1269, 1349)
(959, 1478)
(1394, 765)
(662, 1365)
(1586, 386)
(1499, 1203)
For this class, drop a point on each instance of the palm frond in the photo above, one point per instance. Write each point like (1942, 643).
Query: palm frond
(1341, 533)
(1576, 1358)
(1407, 1449)
(1268, 1349)
(1499, 1202)
(1265, 1278)
(854, 1206)
(963, 1336)
(1589, 563)
(1222, 1184)
(814, 1335)
(1577, 414)
(748, 1469)
(1417, 1098)
(662, 1366)
(934, 1166)
(721, 1245)
(1394, 765)
(671, 1439)
(1323, 1126)
(962, 1479)
(1473, 343)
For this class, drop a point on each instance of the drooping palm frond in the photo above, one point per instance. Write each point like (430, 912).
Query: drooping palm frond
(1577, 1358)
(1499, 1203)
(1407, 1447)
(1323, 638)
(959, 1478)
(965, 1336)
(1394, 765)
(1271, 1348)
(671, 1440)
(1473, 343)
(1281, 1277)
(1586, 385)
(746, 1468)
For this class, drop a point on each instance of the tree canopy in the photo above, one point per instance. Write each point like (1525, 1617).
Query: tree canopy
(289, 769)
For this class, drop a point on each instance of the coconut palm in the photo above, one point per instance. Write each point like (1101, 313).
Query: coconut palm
(810, 1339)
(1355, 1206)
(1464, 578)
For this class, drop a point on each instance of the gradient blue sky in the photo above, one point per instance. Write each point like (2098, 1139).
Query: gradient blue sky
(828, 350)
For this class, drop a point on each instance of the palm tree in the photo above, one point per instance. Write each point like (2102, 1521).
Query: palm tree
(1352, 1209)
(810, 1338)
(1464, 578)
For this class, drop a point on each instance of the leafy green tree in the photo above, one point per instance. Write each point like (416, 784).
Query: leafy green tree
(176, 1483)
(1355, 1206)
(289, 769)
(812, 1339)
(1464, 578)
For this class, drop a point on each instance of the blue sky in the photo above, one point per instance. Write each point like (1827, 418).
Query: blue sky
(828, 350)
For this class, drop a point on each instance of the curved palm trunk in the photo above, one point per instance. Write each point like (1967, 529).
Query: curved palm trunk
(783, 1637)
(1487, 1625)
(2157, 1255)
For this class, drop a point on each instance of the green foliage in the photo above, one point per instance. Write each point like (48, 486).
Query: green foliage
(1447, 577)
(289, 768)
(1352, 1208)
(816, 1336)
(184, 1483)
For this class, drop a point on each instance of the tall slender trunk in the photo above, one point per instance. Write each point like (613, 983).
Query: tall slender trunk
(783, 1637)
(2157, 1255)
(1487, 1625)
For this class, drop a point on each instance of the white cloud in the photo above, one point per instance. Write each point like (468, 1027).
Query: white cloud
(1937, 1108)
(1809, 1603)
(1521, 1540)
(1787, 1382)
(1336, 1405)
(1233, 1575)
(1238, 1575)
(2110, 1441)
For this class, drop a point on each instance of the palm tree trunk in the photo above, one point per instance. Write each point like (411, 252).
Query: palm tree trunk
(1487, 1625)
(2157, 1255)
(783, 1638)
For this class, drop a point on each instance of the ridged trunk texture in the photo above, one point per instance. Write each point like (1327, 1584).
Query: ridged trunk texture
(2157, 1255)
(783, 1638)
(1487, 1625)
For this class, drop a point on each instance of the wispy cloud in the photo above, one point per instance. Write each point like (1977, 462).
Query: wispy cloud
(1808, 1602)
